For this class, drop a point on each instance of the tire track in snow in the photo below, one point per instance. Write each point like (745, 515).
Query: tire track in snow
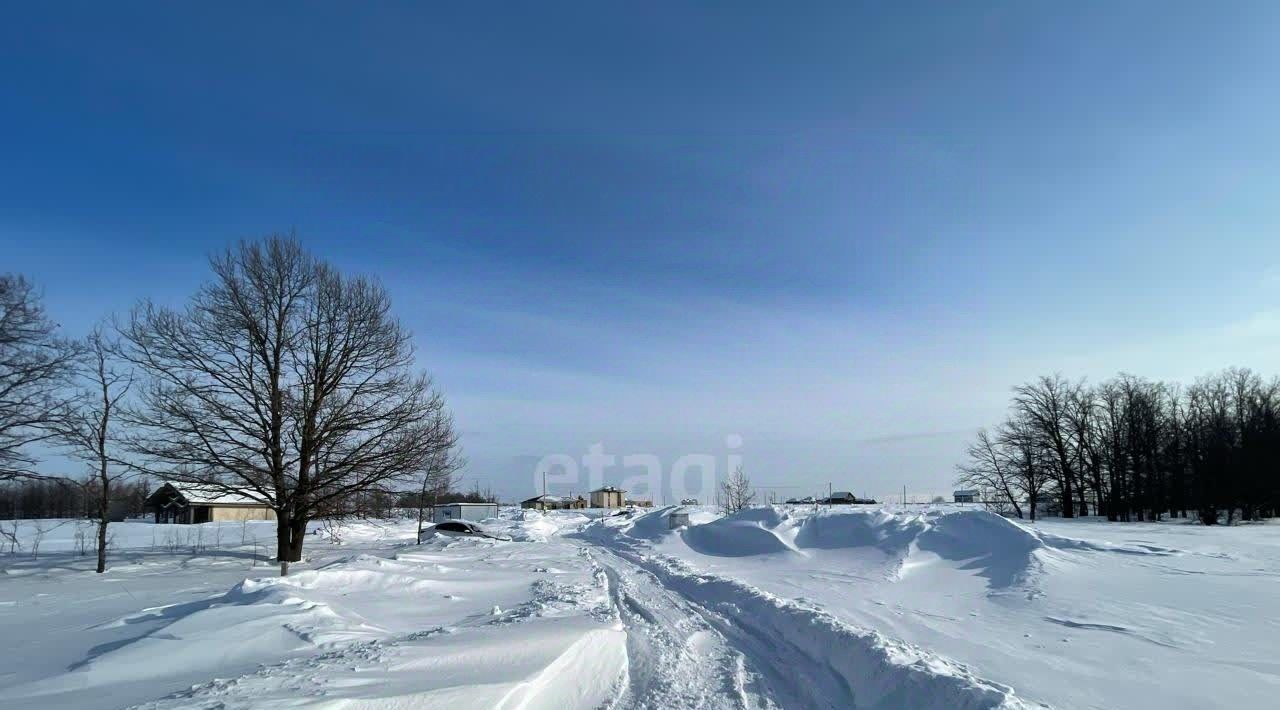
(675, 658)
(806, 658)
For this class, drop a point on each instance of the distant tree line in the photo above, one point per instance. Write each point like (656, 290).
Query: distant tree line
(58, 497)
(413, 499)
(1133, 449)
(280, 378)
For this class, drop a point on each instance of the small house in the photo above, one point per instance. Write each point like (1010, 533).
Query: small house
(190, 503)
(549, 502)
(463, 511)
(607, 497)
(965, 496)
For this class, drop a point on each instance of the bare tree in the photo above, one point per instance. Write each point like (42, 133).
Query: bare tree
(1044, 405)
(990, 471)
(34, 364)
(736, 492)
(1030, 464)
(285, 381)
(87, 426)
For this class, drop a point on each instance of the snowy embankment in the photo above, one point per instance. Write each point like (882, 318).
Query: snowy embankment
(771, 607)
(1072, 614)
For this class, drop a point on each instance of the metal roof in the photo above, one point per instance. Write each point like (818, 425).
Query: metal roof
(200, 494)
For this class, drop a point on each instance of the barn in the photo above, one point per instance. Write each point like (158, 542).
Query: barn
(965, 496)
(463, 511)
(187, 503)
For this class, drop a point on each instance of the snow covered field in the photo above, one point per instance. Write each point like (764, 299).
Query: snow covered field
(946, 607)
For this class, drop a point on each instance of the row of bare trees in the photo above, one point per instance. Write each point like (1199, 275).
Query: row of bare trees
(281, 379)
(68, 497)
(1134, 449)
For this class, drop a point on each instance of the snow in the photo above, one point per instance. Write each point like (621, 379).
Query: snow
(1073, 614)
(867, 607)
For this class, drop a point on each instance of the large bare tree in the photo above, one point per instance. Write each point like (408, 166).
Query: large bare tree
(34, 364)
(1045, 406)
(284, 380)
(87, 426)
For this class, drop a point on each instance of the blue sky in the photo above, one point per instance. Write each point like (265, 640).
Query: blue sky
(841, 231)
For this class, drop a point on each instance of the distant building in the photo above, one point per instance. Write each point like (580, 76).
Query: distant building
(638, 503)
(190, 503)
(463, 511)
(689, 501)
(965, 496)
(548, 502)
(607, 497)
(807, 500)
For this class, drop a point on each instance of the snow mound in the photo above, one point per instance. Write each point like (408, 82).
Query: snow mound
(758, 531)
(536, 526)
(1004, 552)
(890, 533)
(652, 525)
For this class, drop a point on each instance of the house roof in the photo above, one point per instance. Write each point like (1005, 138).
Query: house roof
(966, 492)
(197, 494)
(446, 505)
(842, 494)
(608, 489)
(546, 498)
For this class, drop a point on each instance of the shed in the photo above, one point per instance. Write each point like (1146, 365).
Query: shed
(965, 496)
(677, 518)
(463, 511)
(607, 497)
(186, 503)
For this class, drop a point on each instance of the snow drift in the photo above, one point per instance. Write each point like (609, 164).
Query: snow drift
(809, 657)
(1002, 551)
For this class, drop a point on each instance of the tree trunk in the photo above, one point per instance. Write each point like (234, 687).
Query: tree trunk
(104, 517)
(282, 542)
(1068, 491)
(298, 535)
(102, 544)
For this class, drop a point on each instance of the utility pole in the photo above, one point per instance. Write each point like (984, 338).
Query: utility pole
(904, 496)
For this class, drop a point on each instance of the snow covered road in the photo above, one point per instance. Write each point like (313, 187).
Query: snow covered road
(768, 651)
(674, 656)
